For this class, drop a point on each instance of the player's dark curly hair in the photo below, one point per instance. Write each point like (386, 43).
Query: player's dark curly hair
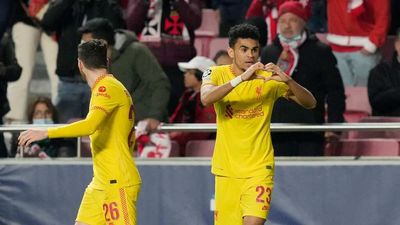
(243, 31)
(93, 54)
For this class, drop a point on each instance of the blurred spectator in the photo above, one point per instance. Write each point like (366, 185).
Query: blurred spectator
(395, 16)
(65, 17)
(9, 71)
(5, 14)
(209, 4)
(190, 109)
(312, 64)
(167, 27)
(41, 112)
(124, 6)
(317, 22)
(356, 29)
(27, 34)
(132, 63)
(260, 23)
(232, 12)
(384, 85)
(222, 58)
(268, 9)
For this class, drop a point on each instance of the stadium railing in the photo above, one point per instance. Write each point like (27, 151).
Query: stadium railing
(275, 127)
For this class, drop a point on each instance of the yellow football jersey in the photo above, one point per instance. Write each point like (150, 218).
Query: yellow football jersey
(243, 145)
(110, 124)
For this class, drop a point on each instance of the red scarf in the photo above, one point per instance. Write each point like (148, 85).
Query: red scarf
(35, 6)
(289, 56)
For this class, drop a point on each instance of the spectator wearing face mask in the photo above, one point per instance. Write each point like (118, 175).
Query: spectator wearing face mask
(41, 112)
(312, 64)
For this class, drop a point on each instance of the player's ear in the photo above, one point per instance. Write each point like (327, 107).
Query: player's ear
(231, 53)
(80, 64)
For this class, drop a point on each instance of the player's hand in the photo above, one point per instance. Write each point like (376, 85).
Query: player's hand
(365, 52)
(29, 136)
(277, 73)
(152, 125)
(331, 137)
(250, 73)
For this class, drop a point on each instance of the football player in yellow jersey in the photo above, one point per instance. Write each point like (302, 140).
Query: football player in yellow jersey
(243, 95)
(111, 196)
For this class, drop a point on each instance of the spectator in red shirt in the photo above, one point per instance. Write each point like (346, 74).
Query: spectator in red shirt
(190, 109)
(356, 29)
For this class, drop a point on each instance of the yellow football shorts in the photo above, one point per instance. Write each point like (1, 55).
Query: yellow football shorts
(113, 206)
(236, 198)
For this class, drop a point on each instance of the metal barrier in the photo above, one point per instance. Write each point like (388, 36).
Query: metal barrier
(275, 127)
(210, 127)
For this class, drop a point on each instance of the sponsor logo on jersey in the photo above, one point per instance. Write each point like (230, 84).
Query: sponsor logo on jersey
(102, 89)
(229, 111)
(103, 95)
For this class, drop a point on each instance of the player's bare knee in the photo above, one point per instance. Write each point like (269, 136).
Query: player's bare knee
(252, 220)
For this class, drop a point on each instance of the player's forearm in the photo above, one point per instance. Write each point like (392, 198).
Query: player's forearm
(77, 129)
(80, 128)
(303, 96)
(215, 93)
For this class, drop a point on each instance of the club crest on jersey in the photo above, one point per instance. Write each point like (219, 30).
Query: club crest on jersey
(258, 92)
(102, 89)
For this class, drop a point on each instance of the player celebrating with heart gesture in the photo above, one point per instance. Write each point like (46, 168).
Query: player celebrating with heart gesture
(243, 95)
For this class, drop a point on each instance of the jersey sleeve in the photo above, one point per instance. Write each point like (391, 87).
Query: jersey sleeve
(210, 77)
(103, 101)
(105, 98)
(282, 90)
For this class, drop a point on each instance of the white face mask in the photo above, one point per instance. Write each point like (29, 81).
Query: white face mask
(288, 40)
(43, 121)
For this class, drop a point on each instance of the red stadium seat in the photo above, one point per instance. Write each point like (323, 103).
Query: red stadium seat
(198, 45)
(208, 30)
(368, 147)
(380, 119)
(216, 45)
(200, 148)
(174, 149)
(377, 134)
(357, 104)
(388, 49)
(209, 24)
